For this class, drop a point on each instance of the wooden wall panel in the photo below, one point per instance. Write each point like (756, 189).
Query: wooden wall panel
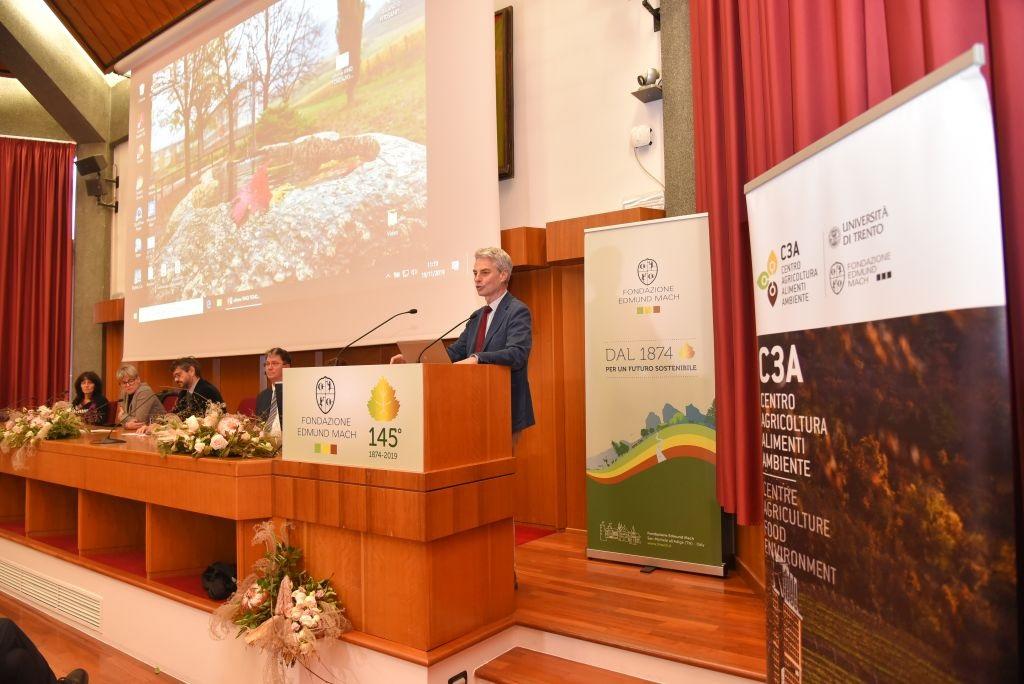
(453, 435)
(750, 552)
(574, 398)
(239, 377)
(396, 599)
(565, 238)
(183, 543)
(109, 523)
(471, 589)
(108, 311)
(539, 454)
(113, 346)
(526, 246)
(12, 498)
(50, 509)
(338, 553)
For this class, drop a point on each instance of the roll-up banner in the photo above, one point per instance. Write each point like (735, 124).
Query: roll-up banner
(887, 439)
(650, 372)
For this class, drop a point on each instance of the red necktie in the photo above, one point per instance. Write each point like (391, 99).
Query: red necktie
(481, 332)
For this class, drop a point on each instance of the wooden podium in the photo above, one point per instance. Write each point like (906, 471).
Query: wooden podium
(420, 557)
(423, 561)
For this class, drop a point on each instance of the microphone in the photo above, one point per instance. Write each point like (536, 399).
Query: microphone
(107, 439)
(387, 320)
(423, 351)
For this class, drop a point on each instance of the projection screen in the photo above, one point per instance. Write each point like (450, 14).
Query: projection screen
(277, 179)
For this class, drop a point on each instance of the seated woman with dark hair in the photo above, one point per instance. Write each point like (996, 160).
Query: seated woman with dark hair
(89, 397)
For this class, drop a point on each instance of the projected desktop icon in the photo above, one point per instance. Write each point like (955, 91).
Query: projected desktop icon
(151, 208)
(137, 277)
(138, 246)
(151, 242)
(455, 265)
(392, 218)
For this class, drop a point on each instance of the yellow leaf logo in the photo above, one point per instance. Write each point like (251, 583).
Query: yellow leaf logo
(383, 404)
(687, 351)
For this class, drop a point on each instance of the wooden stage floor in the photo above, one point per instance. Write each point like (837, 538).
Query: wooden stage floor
(704, 621)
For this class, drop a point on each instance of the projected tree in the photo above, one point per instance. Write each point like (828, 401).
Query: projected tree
(282, 50)
(349, 32)
(185, 85)
(229, 79)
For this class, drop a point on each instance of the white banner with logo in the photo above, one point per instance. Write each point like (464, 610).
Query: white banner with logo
(886, 422)
(366, 416)
(650, 371)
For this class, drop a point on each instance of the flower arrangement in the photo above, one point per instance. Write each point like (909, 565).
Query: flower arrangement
(216, 434)
(25, 428)
(280, 609)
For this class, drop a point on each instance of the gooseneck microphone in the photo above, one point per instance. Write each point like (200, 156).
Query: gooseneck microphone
(467, 320)
(107, 439)
(334, 361)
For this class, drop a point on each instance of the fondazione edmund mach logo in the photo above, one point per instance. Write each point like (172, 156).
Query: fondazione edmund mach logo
(765, 281)
(325, 395)
(647, 271)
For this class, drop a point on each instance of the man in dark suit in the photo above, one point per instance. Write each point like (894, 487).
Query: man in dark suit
(196, 393)
(268, 402)
(500, 332)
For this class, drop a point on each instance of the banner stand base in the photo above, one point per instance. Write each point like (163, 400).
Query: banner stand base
(715, 570)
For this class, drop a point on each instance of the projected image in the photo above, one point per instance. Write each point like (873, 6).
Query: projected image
(289, 149)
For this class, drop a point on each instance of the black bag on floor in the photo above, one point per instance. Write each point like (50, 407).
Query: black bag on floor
(219, 580)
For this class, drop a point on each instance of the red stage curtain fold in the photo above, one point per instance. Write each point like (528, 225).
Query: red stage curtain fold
(35, 270)
(772, 76)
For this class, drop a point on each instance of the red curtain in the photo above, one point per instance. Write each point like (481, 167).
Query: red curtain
(771, 77)
(35, 270)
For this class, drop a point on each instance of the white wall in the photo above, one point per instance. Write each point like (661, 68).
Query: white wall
(575, 63)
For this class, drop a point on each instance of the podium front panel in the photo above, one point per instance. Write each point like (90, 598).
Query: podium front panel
(365, 416)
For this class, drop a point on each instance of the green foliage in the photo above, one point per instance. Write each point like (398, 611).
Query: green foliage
(281, 124)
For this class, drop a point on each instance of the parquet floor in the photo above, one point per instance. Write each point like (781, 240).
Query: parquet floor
(66, 648)
(705, 621)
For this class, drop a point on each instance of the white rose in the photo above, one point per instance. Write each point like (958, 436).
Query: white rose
(192, 424)
(306, 620)
(200, 446)
(245, 437)
(210, 421)
(218, 442)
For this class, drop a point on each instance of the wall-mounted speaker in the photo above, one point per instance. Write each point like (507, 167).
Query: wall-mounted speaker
(94, 187)
(90, 165)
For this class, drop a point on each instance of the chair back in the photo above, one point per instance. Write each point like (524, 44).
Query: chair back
(247, 406)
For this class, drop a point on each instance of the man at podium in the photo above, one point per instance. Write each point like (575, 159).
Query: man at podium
(500, 332)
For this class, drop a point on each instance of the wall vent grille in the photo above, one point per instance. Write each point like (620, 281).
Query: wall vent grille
(72, 602)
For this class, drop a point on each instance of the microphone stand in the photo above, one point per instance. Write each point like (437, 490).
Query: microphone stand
(387, 320)
(423, 351)
(108, 439)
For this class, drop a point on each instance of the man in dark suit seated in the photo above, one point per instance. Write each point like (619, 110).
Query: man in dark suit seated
(196, 393)
(500, 332)
(268, 403)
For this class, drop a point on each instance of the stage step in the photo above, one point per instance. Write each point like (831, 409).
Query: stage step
(523, 666)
